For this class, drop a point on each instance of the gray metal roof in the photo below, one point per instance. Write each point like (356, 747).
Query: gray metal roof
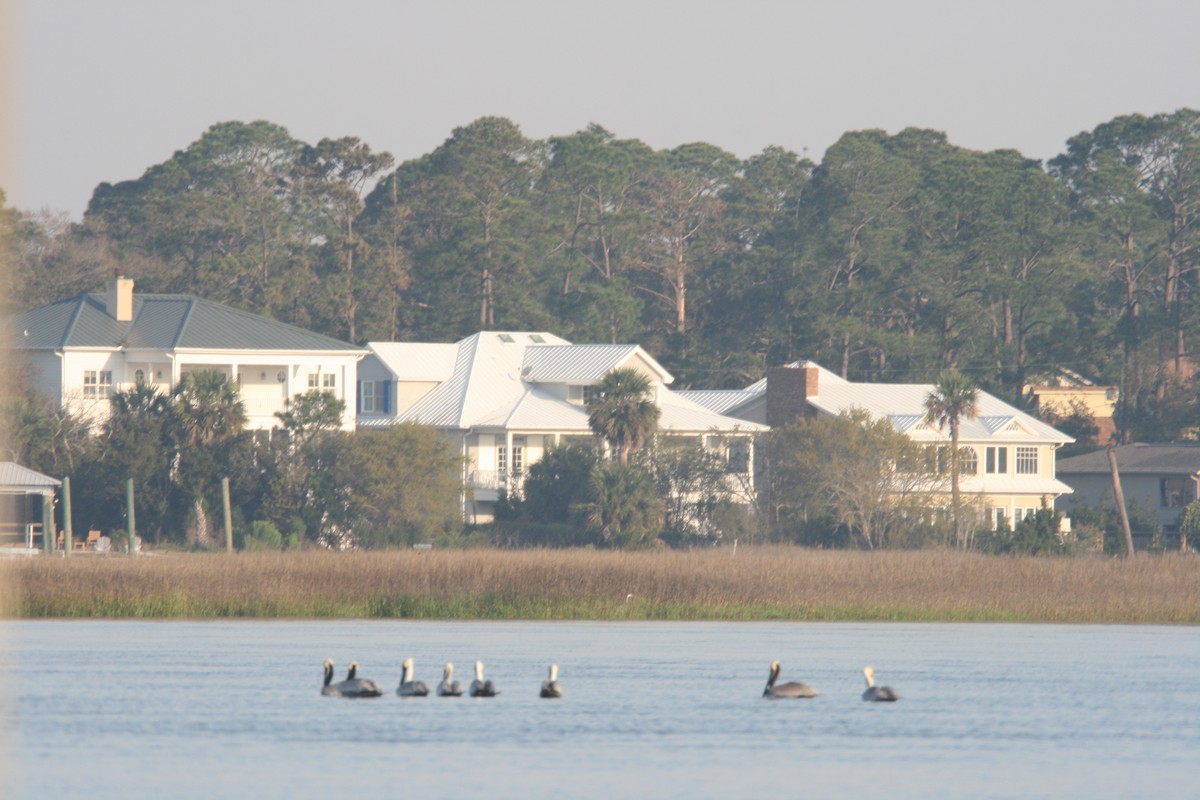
(1145, 459)
(160, 322)
(14, 477)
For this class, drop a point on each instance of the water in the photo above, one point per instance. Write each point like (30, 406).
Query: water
(114, 709)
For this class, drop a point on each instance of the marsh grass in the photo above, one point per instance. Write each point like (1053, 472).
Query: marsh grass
(751, 584)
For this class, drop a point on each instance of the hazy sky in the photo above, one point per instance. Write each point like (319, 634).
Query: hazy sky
(100, 90)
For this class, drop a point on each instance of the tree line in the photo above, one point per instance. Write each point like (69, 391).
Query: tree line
(895, 258)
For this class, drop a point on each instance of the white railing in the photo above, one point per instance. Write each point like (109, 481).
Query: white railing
(493, 479)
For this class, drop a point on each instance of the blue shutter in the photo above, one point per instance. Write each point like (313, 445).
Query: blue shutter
(385, 401)
(358, 399)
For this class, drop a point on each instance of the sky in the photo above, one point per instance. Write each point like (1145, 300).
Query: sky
(100, 91)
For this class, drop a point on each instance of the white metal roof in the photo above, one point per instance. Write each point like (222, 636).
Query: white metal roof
(14, 477)
(498, 380)
(586, 363)
(903, 404)
(416, 361)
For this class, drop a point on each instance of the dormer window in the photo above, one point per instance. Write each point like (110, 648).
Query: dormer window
(582, 394)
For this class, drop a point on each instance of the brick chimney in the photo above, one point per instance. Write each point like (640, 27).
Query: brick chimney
(118, 301)
(788, 390)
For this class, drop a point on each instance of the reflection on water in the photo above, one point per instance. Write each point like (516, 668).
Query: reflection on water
(203, 709)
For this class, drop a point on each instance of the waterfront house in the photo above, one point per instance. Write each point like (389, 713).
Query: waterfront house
(503, 397)
(1007, 471)
(81, 350)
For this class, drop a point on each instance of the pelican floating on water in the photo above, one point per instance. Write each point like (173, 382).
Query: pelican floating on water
(550, 687)
(480, 687)
(789, 689)
(354, 686)
(329, 690)
(877, 694)
(449, 687)
(408, 687)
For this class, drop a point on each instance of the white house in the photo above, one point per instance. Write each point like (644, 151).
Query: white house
(80, 350)
(504, 397)
(1008, 469)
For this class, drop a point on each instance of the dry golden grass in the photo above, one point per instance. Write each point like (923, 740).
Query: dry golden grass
(753, 583)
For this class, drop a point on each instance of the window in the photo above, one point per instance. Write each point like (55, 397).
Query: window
(366, 397)
(998, 516)
(518, 456)
(1176, 492)
(1027, 461)
(323, 381)
(582, 394)
(996, 460)
(968, 461)
(97, 383)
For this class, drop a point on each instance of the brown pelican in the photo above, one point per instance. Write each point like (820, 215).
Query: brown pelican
(550, 687)
(354, 686)
(449, 687)
(789, 689)
(408, 687)
(480, 687)
(877, 694)
(327, 689)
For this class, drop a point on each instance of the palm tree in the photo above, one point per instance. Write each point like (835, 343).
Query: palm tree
(953, 398)
(624, 509)
(210, 409)
(209, 412)
(622, 413)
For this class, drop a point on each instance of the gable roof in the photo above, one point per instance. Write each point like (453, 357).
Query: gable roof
(1137, 459)
(585, 363)
(416, 361)
(160, 322)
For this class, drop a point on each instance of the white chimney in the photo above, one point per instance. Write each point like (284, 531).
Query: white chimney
(119, 300)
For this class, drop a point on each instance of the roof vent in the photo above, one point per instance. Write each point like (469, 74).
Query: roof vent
(504, 337)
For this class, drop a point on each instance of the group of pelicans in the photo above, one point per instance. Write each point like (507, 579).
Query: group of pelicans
(780, 691)
(355, 686)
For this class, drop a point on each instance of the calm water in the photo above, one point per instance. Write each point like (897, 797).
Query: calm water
(664, 710)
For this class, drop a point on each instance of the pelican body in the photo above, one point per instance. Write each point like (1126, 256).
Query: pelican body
(480, 687)
(877, 694)
(550, 687)
(449, 687)
(354, 686)
(408, 687)
(776, 691)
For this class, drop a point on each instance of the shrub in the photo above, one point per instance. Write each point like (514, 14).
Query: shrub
(263, 535)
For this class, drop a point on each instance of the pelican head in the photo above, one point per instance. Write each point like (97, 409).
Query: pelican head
(869, 672)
